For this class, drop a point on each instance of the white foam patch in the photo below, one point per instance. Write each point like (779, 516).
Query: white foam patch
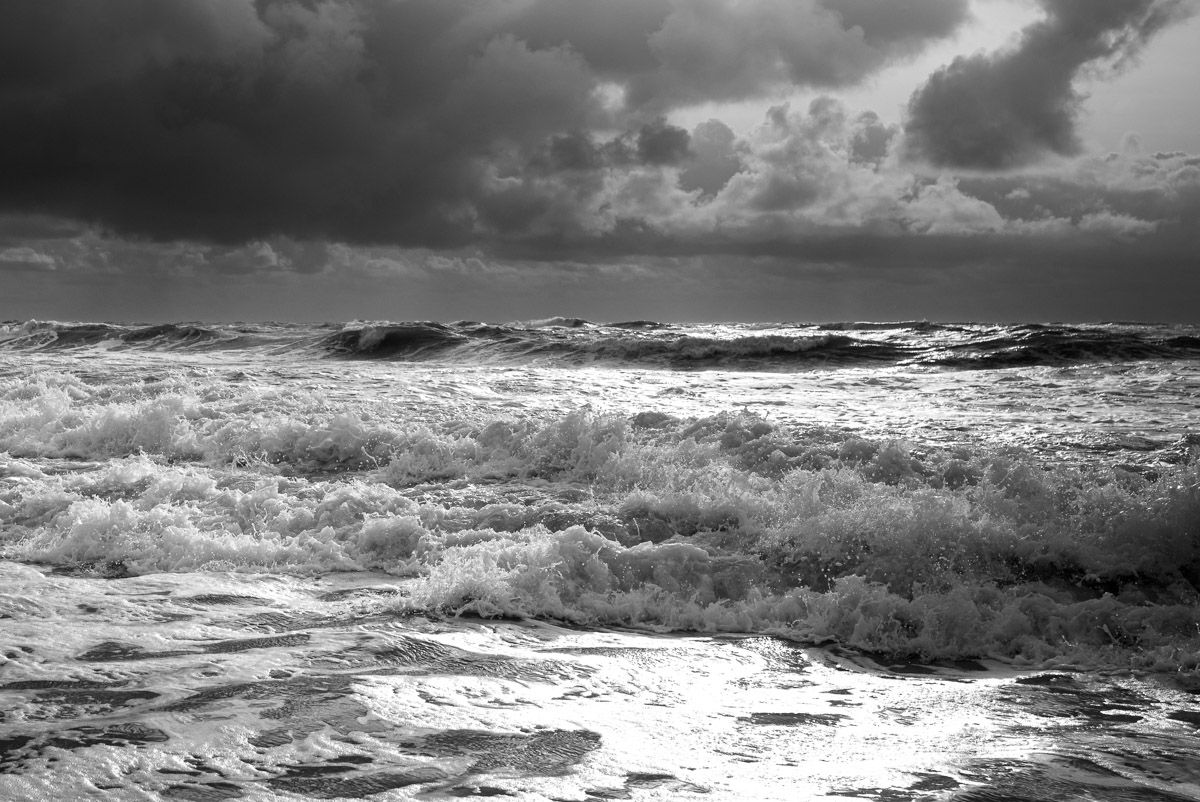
(279, 685)
(620, 497)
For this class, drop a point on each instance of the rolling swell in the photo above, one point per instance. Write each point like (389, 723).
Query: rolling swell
(51, 335)
(37, 334)
(759, 351)
(170, 335)
(648, 344)
(638, 344)
(644, 325)
(1027, 346)
(906, 325)
(572, 342)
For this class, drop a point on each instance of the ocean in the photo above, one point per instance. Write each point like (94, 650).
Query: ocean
(566, 560)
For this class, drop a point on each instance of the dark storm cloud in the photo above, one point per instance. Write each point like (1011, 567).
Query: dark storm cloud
(715, 159)
(668, 52)
(19, 229)
(659, 142)
(238, 139)
(385, 120)
(898, 23)
(717, 50)
(992, 111)
(656, 142)
(228, 120)
(816, 186)
(871, 138)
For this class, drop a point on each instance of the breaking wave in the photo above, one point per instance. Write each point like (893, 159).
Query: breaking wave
(413, 340)
(724, 523)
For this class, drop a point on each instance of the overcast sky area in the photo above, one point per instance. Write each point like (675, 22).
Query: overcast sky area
(679, 160)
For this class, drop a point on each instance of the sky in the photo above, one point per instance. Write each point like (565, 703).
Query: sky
(676, 160)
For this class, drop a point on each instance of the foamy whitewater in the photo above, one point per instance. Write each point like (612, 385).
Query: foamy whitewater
(564, 560)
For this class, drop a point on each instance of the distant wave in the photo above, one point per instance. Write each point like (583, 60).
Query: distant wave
(763, 351)
(647, 325)
(52, 334)
(167, 331)
(574, 341)
(910, 325)
(1031, 345)
(557, 322)
(671, 349)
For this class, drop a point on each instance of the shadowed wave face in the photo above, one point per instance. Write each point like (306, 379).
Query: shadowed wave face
(408, 340)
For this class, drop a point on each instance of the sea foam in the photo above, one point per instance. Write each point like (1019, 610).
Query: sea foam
(723, 523)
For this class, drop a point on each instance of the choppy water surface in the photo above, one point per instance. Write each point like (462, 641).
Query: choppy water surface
(560, 560)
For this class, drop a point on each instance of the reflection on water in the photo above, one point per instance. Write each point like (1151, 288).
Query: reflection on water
(178, 691)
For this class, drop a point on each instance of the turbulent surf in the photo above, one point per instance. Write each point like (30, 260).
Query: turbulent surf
(459, 559)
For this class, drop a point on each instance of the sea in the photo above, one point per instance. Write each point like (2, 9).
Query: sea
(572, 560)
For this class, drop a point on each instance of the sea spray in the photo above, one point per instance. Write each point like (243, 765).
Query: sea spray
(726, 523)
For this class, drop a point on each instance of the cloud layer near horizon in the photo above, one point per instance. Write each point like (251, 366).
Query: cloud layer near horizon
(813, 185)
(468, 144)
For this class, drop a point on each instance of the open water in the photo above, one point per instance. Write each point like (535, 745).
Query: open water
(572, 561)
